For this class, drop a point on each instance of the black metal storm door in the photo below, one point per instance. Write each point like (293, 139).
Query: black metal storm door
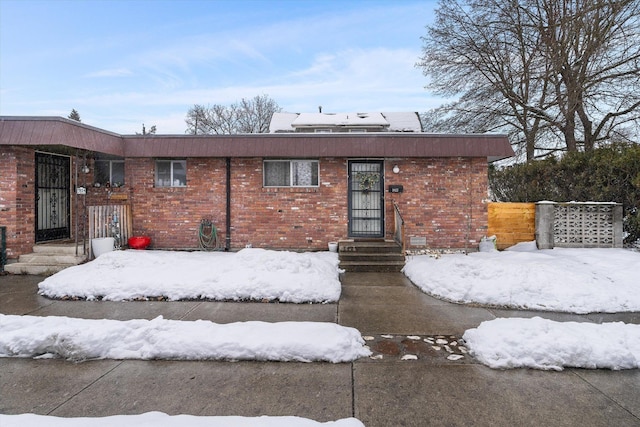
(366, 199)
(53, 184)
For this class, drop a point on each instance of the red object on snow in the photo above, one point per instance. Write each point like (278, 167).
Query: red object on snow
(139, 242)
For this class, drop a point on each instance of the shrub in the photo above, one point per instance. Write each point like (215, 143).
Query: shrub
(607, 174)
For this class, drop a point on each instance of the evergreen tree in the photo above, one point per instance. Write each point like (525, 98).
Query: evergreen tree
(74, 115)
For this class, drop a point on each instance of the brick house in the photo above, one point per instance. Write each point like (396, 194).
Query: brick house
(287, 190)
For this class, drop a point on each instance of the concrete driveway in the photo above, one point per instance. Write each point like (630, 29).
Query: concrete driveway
(384, 390)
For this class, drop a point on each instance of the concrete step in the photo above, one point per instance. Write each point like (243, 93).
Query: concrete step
(50, 259)
(34, 269)
(47, 259)
(372, 266)
(366, 246)
(370, 256)
(59, 248)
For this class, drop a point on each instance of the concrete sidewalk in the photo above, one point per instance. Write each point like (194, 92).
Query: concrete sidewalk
(385, 391)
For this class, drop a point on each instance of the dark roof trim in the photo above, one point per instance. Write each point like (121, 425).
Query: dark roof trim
(59, 131)
(299, 145)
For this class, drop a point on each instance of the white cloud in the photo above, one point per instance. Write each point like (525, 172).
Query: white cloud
(111, 72)
(376, 79)
(241, 48)
(357, 79)
(341, 61)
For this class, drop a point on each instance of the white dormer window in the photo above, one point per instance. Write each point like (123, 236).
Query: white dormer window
(322, 130)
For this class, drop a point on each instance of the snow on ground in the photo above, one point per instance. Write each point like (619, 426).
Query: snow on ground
(566, 280)
(154, 419)
(545, 344)
(81, 339)
(254, 274)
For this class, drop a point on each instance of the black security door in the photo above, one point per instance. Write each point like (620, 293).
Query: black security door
(53, 184)
(366, 199)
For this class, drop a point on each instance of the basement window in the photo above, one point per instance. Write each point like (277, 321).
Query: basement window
(290, 173)
(171, 173)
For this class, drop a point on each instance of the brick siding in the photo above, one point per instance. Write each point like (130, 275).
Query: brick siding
(297, 218)
(17, 201)
(443, 201)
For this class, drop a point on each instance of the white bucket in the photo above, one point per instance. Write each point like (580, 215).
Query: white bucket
(488, 244)
(102, 245)
(333, 246)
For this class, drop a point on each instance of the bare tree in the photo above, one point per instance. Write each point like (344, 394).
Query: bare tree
(247, 116)
(197, 120)
(513, 64)
(593, 48)
(152, 130)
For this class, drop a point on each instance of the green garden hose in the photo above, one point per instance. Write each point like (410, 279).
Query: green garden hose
(207, 235)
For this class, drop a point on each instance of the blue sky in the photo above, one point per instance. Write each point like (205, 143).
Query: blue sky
(124, 63)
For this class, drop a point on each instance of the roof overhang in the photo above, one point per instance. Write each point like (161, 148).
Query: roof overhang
(43, 131)
(58, 131)
(300, 145)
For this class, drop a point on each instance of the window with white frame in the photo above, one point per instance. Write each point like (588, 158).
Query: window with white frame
(290, 173)
(108, 172)
(171, 173)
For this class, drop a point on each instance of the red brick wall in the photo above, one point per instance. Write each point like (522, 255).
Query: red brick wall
(443, 201)
(17, 209)
(170, 215)
(269, 218)
(305, 218)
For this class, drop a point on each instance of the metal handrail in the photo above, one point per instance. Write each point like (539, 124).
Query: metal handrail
(398, 225)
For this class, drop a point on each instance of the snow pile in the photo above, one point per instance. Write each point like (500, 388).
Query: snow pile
(566, 280)
(154, 419)
(545, 344)
(81, 339)
(251, 274)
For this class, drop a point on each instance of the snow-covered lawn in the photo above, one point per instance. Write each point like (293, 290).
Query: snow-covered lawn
(544, 344)
(250, 274)
(82, 339)
(155, 419)
(566, 280)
